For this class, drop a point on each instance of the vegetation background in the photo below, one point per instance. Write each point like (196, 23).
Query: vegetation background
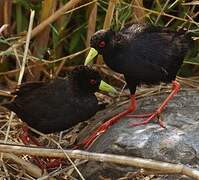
(63, 42)
(60, 40)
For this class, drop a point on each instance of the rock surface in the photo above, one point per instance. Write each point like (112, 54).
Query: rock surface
(177, 143)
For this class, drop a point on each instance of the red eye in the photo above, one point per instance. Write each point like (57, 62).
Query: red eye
(93, 82)
(102, 44)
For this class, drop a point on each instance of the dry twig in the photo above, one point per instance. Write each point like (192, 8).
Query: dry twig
(161, 167)
(22, 68)
(29, 167)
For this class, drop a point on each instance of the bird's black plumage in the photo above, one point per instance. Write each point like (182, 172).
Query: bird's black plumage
(60, 103)
(143, 53)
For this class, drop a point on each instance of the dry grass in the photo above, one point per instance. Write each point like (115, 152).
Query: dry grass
(23, 165)
(66, 44)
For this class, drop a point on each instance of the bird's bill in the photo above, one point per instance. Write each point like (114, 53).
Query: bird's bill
(106, 87)
(92, 53)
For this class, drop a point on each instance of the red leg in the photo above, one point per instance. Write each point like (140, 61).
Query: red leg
(24, 136)
(54, 163)
(139, 115)
(102, 128)
(35, 141)
(175, 89)
(43, 163)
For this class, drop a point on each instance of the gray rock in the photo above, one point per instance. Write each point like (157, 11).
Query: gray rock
(177, 143)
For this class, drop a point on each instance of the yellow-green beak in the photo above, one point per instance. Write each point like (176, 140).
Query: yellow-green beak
(103, 85)
(92, 53)
(106, 87)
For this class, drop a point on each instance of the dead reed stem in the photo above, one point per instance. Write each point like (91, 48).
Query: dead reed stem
(158, 166)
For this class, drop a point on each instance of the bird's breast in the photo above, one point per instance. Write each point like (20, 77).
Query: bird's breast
(86, 106)
(115, 61)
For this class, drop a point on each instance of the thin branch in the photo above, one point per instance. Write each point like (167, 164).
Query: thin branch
(161, 167)
(57, 172)
(138, 14)
(109, 14)
(21, 70)
(22, 67)
(30, 168)
(162, 11)
(164, 14)
(91, 22)
(26, 47)
(44, 62)
(107, 22)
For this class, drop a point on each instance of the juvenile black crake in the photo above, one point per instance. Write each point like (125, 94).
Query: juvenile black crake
(57, 105)
(60, 103)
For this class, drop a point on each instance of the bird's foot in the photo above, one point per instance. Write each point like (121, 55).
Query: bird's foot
(42, 163)
(27, 139)
(86, 143)
(175, 89)
(103, 128)
(54, 163)
(150, 117)
(24, 135)
(48, 163)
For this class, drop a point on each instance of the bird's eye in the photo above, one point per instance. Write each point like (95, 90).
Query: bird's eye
(93, 82)
(102, 44)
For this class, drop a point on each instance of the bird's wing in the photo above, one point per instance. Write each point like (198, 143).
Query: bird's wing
(27, 87)
(131, 31)
(42, 89)
(159, 47)
(132, 28)
(40, 102)
(154, 52)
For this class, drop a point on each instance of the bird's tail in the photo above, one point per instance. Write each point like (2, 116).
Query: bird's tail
(183, 42)
(187, 36)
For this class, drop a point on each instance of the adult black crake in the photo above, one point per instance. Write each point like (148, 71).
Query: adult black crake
(144, 54)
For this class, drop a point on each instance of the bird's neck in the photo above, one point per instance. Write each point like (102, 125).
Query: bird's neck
(112, 59)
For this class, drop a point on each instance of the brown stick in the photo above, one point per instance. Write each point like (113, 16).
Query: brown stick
(109, 14)
(30, 168)
(107, 21)
(69, 57)
(91, 22)
(161, 167)
(138, 14)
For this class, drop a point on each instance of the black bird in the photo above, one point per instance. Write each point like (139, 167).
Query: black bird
(60, 103)
(57, 105)
(144, 54)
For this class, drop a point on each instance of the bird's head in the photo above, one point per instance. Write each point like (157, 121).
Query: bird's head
(89, 80)
(99, 41)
